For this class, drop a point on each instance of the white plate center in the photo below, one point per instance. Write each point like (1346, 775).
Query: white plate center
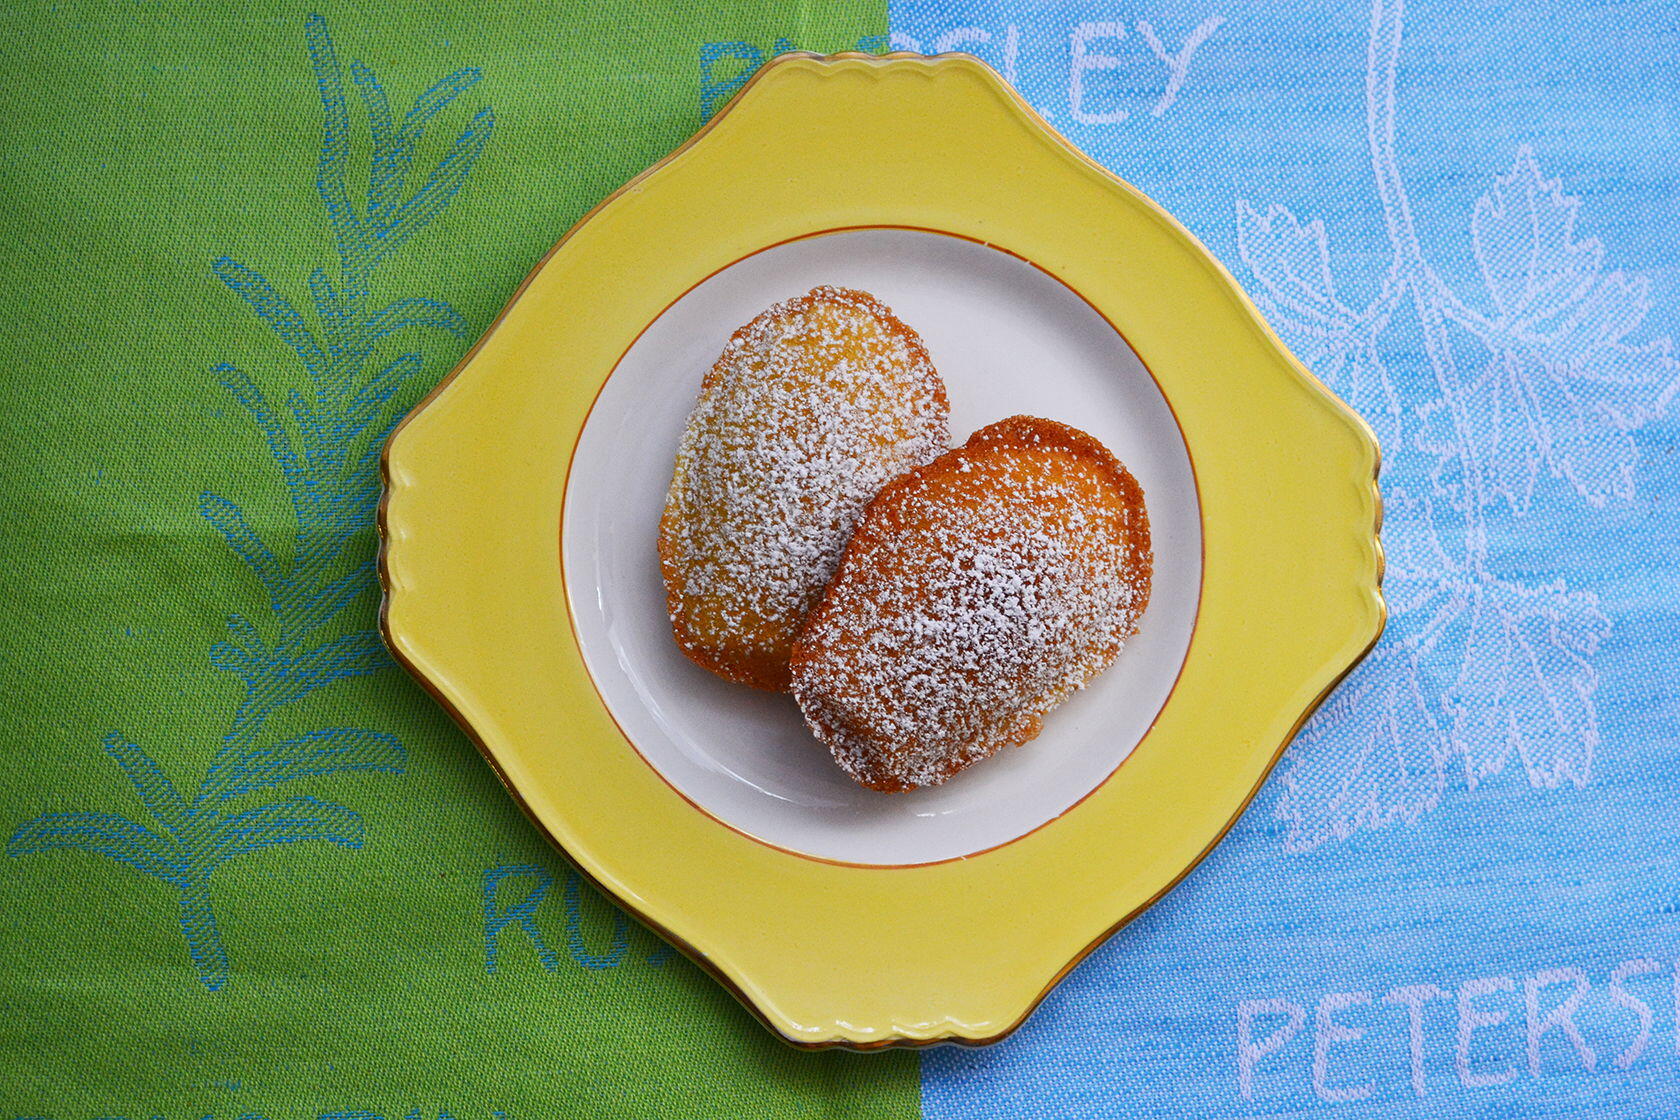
(1007, 339)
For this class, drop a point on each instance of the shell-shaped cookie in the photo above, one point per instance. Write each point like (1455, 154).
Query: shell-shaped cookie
(976, 594)
(812, 407)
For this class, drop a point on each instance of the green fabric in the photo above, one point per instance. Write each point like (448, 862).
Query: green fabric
(157, 315)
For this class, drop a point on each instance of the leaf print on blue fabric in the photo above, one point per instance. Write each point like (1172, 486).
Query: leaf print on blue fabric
(324, 442)
(1526, 683)
(1398, 772)
(1568, 385)
(1557, 384)
(1298, 295)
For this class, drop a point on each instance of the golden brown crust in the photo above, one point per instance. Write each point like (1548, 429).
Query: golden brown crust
(811, 407)
(976, 594)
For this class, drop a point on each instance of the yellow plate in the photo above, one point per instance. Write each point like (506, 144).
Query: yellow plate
(872, 951)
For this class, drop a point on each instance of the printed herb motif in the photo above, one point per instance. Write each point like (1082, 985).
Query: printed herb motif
(1533, 371)
(325, 440)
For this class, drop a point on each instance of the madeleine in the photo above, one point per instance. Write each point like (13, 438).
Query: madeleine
(812, 407)
(976, 595)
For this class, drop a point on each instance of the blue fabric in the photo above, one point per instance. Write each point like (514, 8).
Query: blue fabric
(1457, 895)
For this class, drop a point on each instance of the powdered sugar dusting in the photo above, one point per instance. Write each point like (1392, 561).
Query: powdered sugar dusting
(977, 594)
(810, 410)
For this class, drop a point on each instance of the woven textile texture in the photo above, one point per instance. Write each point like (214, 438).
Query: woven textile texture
(251, 870)
(1456, 897)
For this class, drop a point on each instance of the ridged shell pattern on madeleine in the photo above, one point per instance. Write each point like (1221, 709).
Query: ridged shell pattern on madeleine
(812, 407)
(977, 593)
